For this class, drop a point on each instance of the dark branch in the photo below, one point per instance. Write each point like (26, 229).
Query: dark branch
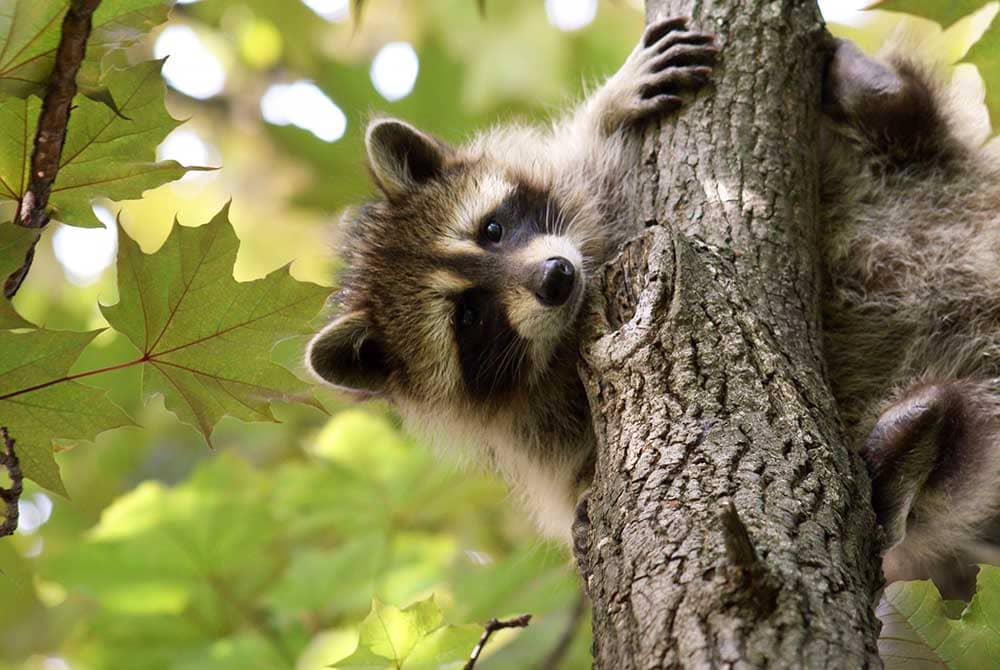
(50, 135)
(11, 496)
(739, 546)
(750, 570)
(492, 626)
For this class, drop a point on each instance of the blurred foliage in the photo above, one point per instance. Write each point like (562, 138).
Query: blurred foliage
(284, 545)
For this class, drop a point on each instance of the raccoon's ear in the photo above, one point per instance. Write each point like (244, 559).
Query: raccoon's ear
(401, 157)
(348, 353)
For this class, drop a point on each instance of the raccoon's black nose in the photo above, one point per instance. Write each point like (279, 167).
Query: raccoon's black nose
(555, 281)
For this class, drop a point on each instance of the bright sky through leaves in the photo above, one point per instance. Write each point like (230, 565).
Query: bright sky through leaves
(302, 104)
(85, 253)
(570, 15)
(394, 70)
(331, 10)
(192, 68)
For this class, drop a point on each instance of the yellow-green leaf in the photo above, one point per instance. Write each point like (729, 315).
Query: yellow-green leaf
(106, 153)
(945, 13)
(985, 53)
(917, 631)
(14, 243)
(205, 339)
(412, 638)
(39, 401)
(30, 30)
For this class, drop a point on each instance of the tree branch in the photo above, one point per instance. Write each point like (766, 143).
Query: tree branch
(705, 376)
(12, 495)
(492, 626)
(50, 134)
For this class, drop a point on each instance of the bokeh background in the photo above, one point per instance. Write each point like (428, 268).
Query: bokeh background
(267, 550)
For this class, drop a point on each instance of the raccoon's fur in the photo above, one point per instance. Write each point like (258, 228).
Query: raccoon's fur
(474, 340)
(464, 285)
(911, 215)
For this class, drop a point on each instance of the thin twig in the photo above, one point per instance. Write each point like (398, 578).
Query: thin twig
(11, 496)
(555, 657)
(50, 135)
(492, 626)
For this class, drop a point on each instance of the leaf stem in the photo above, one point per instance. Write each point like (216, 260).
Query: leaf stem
(492, 626)
(79, 375)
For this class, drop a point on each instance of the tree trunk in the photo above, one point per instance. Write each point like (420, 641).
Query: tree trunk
(728, 524)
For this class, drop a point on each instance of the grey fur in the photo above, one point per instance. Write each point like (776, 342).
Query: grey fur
(911, 213)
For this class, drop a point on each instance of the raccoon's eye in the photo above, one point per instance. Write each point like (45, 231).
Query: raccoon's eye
(466, 315)
(493, 231)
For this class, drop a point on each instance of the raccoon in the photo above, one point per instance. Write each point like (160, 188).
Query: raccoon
(464, 284)
(911, 216)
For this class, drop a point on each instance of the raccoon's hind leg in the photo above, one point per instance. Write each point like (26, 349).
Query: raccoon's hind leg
(935, 461)
(894, 108)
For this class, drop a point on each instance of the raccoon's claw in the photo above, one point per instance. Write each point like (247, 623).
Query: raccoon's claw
(658, 29)
(669, 60)
(676, 60)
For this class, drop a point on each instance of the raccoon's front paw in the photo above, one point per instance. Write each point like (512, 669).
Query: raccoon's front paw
(669, 60)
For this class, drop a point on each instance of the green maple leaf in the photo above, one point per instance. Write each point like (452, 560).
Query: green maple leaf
(30, 31)
(14, 243)
(40, 401)
(945, 13)
(412, 638)
(985, 54)
(204, 338)
(106, 154)
(917, 630)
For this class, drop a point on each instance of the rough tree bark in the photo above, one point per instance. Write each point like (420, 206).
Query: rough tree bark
(728, 525)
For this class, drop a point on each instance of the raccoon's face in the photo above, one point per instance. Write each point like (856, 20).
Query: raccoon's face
(462, 286)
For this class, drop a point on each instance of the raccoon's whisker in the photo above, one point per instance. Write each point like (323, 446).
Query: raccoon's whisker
(488, 367)
(510, 360)
(505, 361)
(561, 224)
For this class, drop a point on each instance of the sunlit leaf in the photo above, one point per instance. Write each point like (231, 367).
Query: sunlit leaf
(204, 338)
(14, 243)
(39, 402)
(945, 13)
(106, 154)
(29, 36)
(917, 632)
(985, 53)
(412, 638)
